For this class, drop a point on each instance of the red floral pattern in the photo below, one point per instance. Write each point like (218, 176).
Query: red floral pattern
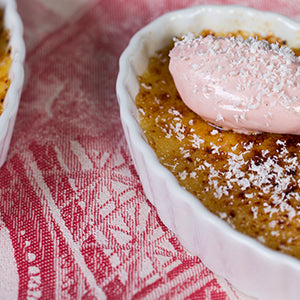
(74, 222)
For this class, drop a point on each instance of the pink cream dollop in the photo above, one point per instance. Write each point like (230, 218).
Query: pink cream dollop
(248, 86)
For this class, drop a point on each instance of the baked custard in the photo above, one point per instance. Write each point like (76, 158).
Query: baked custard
(251, 181)
(5, 61)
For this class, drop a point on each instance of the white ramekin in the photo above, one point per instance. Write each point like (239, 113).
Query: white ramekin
(248, 265)
(13, 23)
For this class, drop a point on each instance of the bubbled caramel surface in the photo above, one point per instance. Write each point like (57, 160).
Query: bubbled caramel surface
(250, 181)
(5, 61)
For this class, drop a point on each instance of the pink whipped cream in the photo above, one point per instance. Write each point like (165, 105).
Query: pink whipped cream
(248, 86)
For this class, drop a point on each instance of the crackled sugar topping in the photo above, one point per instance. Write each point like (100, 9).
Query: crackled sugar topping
(252, 182)
(244, 85)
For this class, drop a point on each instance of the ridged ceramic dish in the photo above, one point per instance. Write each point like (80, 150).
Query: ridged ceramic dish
(12, 22)
(249, 266)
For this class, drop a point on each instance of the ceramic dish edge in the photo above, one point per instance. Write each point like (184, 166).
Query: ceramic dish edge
(248, 265)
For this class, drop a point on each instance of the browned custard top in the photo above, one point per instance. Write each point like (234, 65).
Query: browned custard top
(250, 181)
(5, 61)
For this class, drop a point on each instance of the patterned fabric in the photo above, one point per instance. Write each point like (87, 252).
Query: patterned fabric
(74, 221)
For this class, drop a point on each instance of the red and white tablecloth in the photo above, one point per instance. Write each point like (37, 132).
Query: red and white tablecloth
(74, 221)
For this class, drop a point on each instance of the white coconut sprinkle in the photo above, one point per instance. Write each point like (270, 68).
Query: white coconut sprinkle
(183, 175)
(219, 117)
(196, 141)
(254, 209)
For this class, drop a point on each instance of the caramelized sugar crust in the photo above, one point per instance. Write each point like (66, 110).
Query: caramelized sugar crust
(5, 61)
(250, 181)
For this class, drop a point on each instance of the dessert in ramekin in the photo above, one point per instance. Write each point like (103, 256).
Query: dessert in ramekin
(248, 265)
(12, 92)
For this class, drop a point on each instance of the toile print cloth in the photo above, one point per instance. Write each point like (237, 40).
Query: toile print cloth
(74, 220)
